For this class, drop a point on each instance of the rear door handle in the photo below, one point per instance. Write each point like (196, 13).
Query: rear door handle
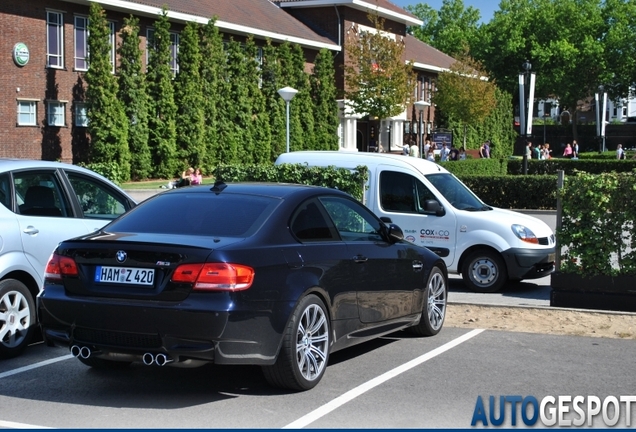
(418, 266)
(31, 230)
(360, 259)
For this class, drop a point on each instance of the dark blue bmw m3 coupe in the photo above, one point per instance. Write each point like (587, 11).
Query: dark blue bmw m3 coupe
(246, 274)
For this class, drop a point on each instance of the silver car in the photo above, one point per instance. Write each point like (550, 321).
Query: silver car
(43, 203)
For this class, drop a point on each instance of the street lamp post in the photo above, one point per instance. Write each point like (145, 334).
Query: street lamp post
(287, 93)
(525, 122)
(419, 105)
(600, 116)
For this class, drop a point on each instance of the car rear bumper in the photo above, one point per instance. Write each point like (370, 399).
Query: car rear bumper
(207, 327)
(524, 263)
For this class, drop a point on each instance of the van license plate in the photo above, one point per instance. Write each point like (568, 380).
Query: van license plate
(125, 275)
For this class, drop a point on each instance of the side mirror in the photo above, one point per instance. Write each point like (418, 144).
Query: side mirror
(395, 233)
(432, 206)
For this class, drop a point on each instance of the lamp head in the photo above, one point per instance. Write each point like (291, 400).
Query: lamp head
(287, 93)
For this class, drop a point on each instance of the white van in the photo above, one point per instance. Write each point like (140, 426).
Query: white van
(488, 246)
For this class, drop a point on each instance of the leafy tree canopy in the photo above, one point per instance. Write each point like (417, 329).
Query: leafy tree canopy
(377, 79)
(452, 30)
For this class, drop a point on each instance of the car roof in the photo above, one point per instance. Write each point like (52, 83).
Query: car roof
(9, 164)
(280, 190)
(349, 159)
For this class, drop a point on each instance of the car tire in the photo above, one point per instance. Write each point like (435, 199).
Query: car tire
(434, 310)
(17, 318)
(99, 363)
(304, 353)
(484, 271)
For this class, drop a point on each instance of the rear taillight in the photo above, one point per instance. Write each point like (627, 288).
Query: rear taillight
(59, 266)
(215, 276)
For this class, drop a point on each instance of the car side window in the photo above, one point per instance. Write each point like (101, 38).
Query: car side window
(39, 193)
(96, 200)
(5, 190)
(309, 224)
(353, 221)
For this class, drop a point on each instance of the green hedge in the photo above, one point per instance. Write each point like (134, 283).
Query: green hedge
(351, 182)
(537, 192)
(491, 167)
(571, 166)
(598, 230)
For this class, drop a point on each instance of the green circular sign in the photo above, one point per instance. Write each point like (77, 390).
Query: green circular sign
(20, 54)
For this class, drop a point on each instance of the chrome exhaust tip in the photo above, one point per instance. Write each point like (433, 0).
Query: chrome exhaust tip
(85, 352)
(76, 350)
(162, 360)
(148, 359)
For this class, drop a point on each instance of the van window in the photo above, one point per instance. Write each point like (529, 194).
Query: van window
(403, 193)
(456, 193)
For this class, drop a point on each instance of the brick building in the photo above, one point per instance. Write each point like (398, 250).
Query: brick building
(44, 44)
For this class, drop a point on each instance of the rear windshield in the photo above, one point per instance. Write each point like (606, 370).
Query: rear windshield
(222, 215)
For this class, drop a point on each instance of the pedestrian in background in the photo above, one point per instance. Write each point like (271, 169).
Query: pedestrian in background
(620, 153)
(413, 151)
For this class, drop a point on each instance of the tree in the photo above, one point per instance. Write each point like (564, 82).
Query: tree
(302, 102)
(563, 40)
(275, 105)
(378, 82)
(134, 97)
(452, 30)
(188, 97)
(464, 94)
(324, 94)
(289, 76)
(162, 118)
(260, 127)
(107, 123)
(213, 62)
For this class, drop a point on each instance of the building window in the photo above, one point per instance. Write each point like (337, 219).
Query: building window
(81, 114)
(81, 43)
(174, 52)
(113, 46)
(55, 113)
(174, 48)
(27, 113)
(54, 39)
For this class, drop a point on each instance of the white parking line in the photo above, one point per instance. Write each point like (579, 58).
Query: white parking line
(13, 425)
(35, 366)
(363, 388)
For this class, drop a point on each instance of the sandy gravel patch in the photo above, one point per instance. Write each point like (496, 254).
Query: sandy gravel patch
(540, 320)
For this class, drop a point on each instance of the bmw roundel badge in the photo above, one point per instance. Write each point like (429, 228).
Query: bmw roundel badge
(121, 256)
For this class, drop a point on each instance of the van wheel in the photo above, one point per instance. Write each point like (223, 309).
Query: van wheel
(304, 352)
(434, 310)
(484, 271)
(17, 318)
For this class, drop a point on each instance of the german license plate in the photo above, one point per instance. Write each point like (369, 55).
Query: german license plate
(125, 275)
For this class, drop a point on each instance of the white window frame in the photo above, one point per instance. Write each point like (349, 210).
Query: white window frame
(55, 28)
(113, 45)
(81, 114)
(81, 52)
(174, 48)
(56, 113)
(31, 112)
(174, 53)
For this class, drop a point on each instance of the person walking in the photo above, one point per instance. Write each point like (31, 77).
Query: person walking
(413, 151)
(620, 153)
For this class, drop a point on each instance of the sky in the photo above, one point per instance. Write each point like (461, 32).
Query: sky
(486, 8)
